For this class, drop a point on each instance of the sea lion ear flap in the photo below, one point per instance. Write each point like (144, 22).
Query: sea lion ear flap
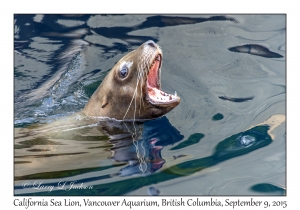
(104, 102)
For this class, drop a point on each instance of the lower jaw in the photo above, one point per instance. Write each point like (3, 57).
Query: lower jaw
(159, 98)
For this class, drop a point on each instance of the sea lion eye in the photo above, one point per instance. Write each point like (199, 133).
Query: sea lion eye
(124, 68)
(123, 72)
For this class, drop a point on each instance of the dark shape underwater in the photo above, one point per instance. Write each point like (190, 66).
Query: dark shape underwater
(237, 100)
(254, 49)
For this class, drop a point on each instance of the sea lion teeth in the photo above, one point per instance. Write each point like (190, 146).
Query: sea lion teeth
(175, 94)
(136, 94)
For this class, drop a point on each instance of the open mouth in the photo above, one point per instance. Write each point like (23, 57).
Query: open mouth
(155, 95)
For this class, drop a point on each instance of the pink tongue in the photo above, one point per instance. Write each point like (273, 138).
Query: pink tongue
(152, 76)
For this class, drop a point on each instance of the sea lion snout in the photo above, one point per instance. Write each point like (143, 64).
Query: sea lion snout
(132, 88)
(151, 43)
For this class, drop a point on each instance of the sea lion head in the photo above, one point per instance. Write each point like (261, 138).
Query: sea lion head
(132, 88)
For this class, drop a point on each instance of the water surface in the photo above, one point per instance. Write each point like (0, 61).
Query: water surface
(226, 137)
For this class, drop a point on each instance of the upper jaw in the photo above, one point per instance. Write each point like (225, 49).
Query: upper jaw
(154, 94)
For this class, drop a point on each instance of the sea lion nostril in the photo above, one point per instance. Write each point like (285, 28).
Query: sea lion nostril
(151, 43)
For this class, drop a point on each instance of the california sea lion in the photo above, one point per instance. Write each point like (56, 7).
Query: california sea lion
(132, 89)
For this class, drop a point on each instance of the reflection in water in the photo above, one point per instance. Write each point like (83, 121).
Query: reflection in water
(193, 139)
(124, 151)
(179, 156)
(153, 191)
(254, 49)
(217, 117)
(268, 188)
(144, 152)
(238, 100)
(157, 21)
(137, 144)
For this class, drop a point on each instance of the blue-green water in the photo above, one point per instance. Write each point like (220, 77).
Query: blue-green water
(226, 137)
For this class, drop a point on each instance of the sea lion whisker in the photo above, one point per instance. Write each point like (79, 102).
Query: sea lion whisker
(130, 103)
(134, 96)
(141, 101)
(139, 76)
(143, 65)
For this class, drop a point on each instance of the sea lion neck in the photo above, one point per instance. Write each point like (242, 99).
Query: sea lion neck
(132, 88)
